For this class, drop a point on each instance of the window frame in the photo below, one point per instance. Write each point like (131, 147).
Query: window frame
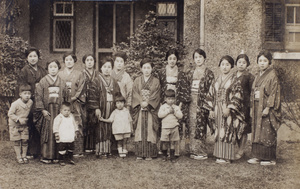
(291, 27)
(63, 14)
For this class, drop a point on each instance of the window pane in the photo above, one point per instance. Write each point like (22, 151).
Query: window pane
(298, 15)
(290, 15)
(297, 37)
(162, 9)
(171, 9)
(105, 25)
(122, 23)
(59, 8)
(68, 8)
(63, 31)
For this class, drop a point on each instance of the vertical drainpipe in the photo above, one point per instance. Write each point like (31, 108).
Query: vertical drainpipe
(202, 24)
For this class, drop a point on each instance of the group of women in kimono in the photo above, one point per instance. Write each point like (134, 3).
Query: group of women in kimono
(232, 104)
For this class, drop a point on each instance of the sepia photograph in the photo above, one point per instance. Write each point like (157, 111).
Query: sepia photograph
(154, 94)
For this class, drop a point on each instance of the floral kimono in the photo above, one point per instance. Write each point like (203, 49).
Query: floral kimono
(226, 93)
(145, 120)
(265, 93)
(107, 105)
(29, 75)
(48, 96)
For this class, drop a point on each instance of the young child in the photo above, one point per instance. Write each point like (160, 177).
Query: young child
(121, 124)
(65, 130)
(18, 127)
(170, 114)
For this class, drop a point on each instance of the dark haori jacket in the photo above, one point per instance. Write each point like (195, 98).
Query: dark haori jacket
(202, 113)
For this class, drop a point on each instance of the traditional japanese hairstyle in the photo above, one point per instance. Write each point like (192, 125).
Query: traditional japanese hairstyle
(266, 54)
(201, 52)
(24, 87)
(87, 55)
(172, 51)
(56, 61)
(170, 93)
(120, 54)
(107, 59)
(244, 56)
(229, 59)
(120, 98)
(32, 49)
(68, 54)
(145, 61)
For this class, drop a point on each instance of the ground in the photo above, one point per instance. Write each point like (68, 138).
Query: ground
(90, 172)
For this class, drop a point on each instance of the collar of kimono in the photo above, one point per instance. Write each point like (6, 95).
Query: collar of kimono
(223, 82)
(261, 77)
(90, 76)
(69, 71)
(171, 72)
(108, 85)
(118, 76)
(51, 78)
(34, 68)
(146, 83)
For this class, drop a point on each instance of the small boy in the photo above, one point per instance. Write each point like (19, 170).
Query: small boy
(170, 114)
(65, 130)
(18, 117)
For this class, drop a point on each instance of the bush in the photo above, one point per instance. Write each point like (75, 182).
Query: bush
(148, 41)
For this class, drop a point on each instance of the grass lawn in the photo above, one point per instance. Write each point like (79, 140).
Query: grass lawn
(90, 172)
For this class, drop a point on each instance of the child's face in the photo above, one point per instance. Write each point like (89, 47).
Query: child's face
(263, 63)
(199, 59)
(65, 111)
(147, 69)
(32, 58)
(89, 62)
(172, 59)
(69, 62)
(225, 66)
(25, 96)
(120, 105)
(119, 63)
(170, 100)
(53, 69)
(106, 68)
(241, 64)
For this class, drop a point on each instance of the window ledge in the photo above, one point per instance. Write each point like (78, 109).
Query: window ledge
(286, 56)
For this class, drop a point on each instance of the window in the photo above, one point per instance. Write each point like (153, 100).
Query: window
(167, 17)
(63, 27)
(292, 29)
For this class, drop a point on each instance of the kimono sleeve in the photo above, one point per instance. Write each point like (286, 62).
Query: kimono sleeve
(236, 99)
(136, 97)
(154, 98)
(209, 101)
(273, 100)
(39, 96)
(129, 85)
(184, 88)
(80, 83)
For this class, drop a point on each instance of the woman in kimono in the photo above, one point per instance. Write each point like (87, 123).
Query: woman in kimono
(122, 77)
(265, 111)
(224, 101)
(246, 80)
(107, 105)
(91, 93)
(145, 104)
(173, 77)
(74, 81)
(48, 97)
(31, 74)
(200, 79)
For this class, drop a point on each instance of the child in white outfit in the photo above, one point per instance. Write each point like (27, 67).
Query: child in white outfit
(170, 114)
(66, 130)
(121, 125)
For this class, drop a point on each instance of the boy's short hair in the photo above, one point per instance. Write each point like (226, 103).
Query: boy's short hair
(65, 103)
(24, 87)
(170, 93)
(120, 98)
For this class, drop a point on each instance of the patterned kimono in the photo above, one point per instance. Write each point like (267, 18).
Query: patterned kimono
(29, 75)
(125, 83)
(145, 120)
(107, 105)
(49, 96)
(198, 116)
(265, 93)
(93, 92)
(226, 93)
(74, 82)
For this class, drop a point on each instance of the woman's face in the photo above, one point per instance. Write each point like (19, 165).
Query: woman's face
(32, 58)
(89, 62)
(53, 69)
(225, 66)
(69, 62)
(106, 68)
(199, 59)
(147, 69)
(263, 63)
(241, 64)
(119, 63)
(172, 60)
